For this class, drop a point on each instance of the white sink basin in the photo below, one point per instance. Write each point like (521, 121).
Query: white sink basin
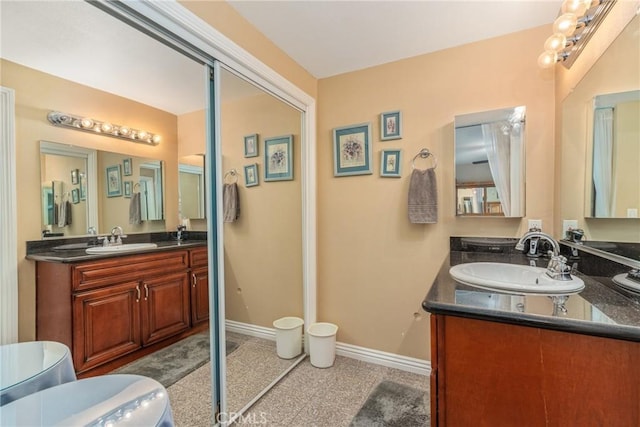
(512, 278)
(127, 247)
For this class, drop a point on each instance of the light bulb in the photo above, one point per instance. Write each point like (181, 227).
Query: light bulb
(556, 42)
(106, 127)
(156, 139)
(548, 59)
(124, 131)
(142, 134)
(565, 24)
(577, 7)
(86, 123)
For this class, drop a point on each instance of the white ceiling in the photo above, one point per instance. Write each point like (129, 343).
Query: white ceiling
(338, 36)
(76, 41)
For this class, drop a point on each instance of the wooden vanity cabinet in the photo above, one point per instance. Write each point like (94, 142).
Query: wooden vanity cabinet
(106, 308)
(494, 374)
(198, 259)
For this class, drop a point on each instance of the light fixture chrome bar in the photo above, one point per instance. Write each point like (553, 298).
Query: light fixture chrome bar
(87, 124)
(593, 19)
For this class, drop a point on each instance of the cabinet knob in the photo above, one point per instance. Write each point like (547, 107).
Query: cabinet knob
(138, 292)
(146, 292)
(195, 279)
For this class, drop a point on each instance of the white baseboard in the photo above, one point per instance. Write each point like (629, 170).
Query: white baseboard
(251, 330)
(390, 360)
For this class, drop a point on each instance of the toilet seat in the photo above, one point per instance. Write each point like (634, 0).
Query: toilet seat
(108, 400)
(31, 366)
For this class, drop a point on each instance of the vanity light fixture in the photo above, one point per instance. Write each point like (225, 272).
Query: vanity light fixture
(104, 128)
(578, 20)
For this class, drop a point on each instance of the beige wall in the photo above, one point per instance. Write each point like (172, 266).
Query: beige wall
(192, 134)
(262, 249)
(37, 94)
(618, 70)
(374, 267)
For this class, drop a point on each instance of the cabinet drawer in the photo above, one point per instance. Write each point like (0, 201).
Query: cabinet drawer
(95, 274)
(198, 257)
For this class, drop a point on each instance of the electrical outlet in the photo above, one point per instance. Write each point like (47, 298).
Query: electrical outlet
(632, 213)
(568, 224)
(535, 223)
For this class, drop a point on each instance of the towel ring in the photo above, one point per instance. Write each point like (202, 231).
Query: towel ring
(233, 174)
(137, 184)
(423, 154)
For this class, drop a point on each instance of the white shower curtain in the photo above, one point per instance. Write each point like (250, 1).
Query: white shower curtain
(497, 143)
(603, 160)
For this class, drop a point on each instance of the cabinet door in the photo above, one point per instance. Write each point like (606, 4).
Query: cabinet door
(199, 295)
(106, 324)
(165, 306)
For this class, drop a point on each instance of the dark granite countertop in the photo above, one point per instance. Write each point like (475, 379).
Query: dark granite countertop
(48, 250)
(597, 310)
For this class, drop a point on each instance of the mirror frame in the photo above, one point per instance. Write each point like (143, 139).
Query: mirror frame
(487, 117)
(91, 157)
(199, 171)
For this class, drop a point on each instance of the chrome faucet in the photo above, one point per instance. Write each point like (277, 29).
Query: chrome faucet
(539, 235)
(179, 233)
(557, 268)
(116, 236)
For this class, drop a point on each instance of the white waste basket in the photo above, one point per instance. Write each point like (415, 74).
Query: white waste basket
(288, 337)
(322, 344)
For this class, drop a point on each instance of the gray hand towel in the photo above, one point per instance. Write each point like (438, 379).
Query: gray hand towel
(67, 219)
(423, 197)
(134, 209)
(230, 202)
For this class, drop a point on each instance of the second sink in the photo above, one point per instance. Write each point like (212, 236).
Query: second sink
(128, 247)
(513, 278)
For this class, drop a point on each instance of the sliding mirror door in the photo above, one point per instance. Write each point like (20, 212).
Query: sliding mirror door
(262, 233)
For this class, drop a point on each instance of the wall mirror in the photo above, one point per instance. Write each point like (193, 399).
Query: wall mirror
(598, 186)
(89, 201)
(490, 163)
(616, 156)
(191, 188)
(263, 278)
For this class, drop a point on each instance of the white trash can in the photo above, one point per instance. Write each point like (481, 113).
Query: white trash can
(322, 344)
(288, 337)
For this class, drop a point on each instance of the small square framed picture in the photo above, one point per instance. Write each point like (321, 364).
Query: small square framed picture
(75, 176)
(128, 189)
(127, 167)
(75, 196)
(251, 145)
(390, 125)
(251, 175)
(391, 163)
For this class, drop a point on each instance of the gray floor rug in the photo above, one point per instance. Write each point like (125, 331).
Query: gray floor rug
(176, 361)
(393, 405)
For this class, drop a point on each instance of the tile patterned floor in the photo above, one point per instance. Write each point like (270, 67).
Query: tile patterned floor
(306, 397)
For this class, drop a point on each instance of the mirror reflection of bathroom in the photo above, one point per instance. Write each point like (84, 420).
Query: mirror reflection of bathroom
(489, 163)
(191, 189)
(616, 148)
(262, 241)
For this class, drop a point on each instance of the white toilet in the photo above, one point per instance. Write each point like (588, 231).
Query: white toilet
(29, 367)
(108, 400)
